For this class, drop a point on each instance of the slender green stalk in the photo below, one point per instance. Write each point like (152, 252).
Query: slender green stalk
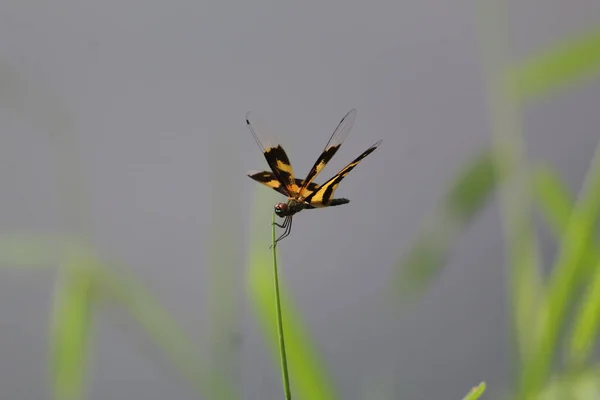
(311, 379)
(284, 368)
(524, 278)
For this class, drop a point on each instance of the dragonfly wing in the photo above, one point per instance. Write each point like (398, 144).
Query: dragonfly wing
(335, 142)
(323, 197)
(274, 153)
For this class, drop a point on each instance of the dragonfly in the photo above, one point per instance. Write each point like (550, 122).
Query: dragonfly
(302, 193)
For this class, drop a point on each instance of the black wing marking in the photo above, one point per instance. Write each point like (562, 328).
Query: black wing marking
(268, 178)
(335, 142)
(323, 196)
(333, 202)
(274, 154)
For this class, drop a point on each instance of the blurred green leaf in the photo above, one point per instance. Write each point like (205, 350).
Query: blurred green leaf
(563, 64)
(556, 202)
(554, 198)
(465, 197)
(70, 333)
(526, 287)
(26, 250)
(580, 385)
(123, 290)
(572, 252)
(476, 392)
(39, 251)
(587, 322)
(309, 378)
(471, 189)
(510, 156)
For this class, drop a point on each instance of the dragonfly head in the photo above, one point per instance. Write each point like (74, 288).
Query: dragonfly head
(281, 209)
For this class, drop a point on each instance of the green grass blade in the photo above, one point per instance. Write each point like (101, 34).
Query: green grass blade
(476, 392)
(556, 203)
(571, 254)
(558, 67)
(39, 251)
(579, 385)
(524, 278)
(465, 197)
(70, 333)
(587, 323)
(472, 188)
(25, 250)
(280, 334)
(126, 292)
(553, 197)
(308, 376)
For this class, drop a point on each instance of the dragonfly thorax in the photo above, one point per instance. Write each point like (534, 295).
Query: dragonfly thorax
(289, 208)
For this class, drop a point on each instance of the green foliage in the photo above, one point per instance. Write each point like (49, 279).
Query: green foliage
(539, 305)
(565, 64)
(308, 376)
(476, 392)
(84, 283)
(576, 385)
(71, 330)
(467, 195)
(559, 290)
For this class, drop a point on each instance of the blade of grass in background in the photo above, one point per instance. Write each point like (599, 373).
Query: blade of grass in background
(25, 250)
(70, 332)
(123, 290)
(573, 60)
(71, 308)
(309, 378)
(549, 70)
(522, 255)
(543, 74)
(557, 204)
(579, 385)
(465, 197)
(476, 392)
(553, 197)
(571, 254)
(586, 326)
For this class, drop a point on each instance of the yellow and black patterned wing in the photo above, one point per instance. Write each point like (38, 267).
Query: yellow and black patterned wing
(268, 178)
(275, 155)
(335, 142)
(323, 197)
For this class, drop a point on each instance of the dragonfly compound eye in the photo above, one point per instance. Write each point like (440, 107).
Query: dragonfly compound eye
(280, 209)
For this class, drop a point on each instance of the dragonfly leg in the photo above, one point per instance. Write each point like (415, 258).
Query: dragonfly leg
(287, 224)
(284, 225)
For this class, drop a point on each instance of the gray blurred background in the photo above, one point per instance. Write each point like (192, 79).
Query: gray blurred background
(124, 121)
